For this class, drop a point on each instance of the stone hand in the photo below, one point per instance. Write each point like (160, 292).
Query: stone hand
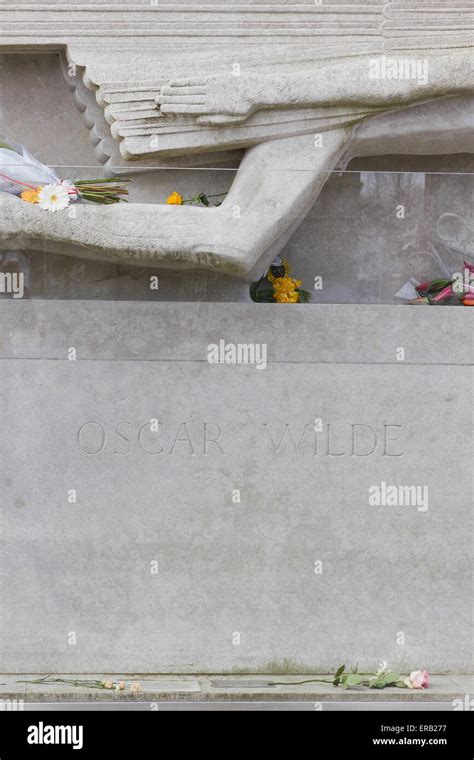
(213, 100)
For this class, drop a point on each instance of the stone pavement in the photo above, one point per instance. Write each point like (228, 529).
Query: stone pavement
(444, 689)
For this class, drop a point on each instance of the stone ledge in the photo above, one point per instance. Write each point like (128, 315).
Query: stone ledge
(335, 333)
(231, 688)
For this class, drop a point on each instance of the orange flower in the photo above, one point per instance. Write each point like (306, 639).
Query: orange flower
(31, 196)
(175, 199)
(284, 290)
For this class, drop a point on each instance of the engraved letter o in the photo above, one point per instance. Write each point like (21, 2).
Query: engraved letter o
(90, 449)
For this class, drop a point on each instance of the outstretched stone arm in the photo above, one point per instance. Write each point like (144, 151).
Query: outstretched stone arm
(145, 234)
(350, 81)
(275, 187)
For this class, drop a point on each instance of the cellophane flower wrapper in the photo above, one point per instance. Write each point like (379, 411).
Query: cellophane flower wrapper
(18, 164)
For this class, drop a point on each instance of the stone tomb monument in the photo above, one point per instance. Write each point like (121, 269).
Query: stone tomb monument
(305, 499)
(238, 533)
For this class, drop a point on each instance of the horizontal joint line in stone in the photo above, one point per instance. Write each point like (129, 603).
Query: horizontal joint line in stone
(247, 9)
(369, 360)
(132, 167)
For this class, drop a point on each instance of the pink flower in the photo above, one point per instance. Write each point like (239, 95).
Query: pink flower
(135, 687)
(444, 293)
(71, 189)
(107, 684)
(418, 679)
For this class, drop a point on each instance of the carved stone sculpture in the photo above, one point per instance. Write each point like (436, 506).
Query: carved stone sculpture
(273, 104)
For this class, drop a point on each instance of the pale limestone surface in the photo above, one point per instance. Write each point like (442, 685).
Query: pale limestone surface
(224, 567)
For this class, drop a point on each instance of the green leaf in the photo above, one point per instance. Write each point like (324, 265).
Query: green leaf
(387, 679)
(264, 295)
(6, 146)
(432, 287)
(354, 679)
(390, 678)
(436, 285)
(305, 296)
(338, 674)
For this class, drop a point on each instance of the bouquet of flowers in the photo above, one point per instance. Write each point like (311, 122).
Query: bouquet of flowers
(86, 683)
(459, 289)
(382, 678)
(278, 287)
(22, 174)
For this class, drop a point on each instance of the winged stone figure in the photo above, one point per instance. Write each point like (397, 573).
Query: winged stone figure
(394, 78)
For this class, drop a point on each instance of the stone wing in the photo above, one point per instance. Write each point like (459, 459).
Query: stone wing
(125, 53)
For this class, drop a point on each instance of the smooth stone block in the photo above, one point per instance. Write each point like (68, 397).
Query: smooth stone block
(238, 534)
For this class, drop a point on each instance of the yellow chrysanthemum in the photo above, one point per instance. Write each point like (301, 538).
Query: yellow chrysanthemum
(287, 297)
(284, 290)
(31, 196)
(175, 199)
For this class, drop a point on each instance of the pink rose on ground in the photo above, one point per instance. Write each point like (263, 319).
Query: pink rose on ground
(418, 679)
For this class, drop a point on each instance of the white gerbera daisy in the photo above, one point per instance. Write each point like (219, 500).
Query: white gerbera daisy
(53, 198)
